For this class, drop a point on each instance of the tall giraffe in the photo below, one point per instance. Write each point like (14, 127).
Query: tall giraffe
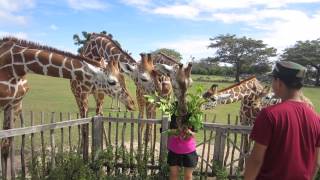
(143, 74)
(181, 80)
(19, 57)
(249, 92)
(102, 46)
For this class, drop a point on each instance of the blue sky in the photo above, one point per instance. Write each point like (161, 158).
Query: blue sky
(146, 25)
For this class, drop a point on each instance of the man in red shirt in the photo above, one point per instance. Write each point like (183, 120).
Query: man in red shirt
(286, 135)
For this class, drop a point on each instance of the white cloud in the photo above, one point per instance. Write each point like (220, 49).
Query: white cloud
(9, 11)
(191, 47)
(87, 5)
(286, 33)
(180, 11)
(21, 35)
(273, 21)
(54, 27)
(137, 2)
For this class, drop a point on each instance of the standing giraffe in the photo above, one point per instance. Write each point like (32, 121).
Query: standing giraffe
(249, 92)
(143, 74)
(19, 57)
(102, 46)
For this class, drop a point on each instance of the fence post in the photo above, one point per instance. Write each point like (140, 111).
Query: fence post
(219, 146)
(164, 138)
(97, 135)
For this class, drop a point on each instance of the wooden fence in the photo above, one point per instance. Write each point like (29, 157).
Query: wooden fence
(221, 145)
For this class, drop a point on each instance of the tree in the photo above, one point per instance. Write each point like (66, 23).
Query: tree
(240, 52)
(80, 42)
(306, 53)
(169, 52)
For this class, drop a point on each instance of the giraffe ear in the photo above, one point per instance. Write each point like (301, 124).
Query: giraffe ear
(214, 88)
(127, 68)
(103, 62)
(164, 69)
(150, 60)
(188, 69)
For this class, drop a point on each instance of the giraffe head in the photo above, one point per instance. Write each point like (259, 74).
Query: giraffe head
(180, 77)
(108, 78)
(144, 74)
(213, 97)
(269, 99)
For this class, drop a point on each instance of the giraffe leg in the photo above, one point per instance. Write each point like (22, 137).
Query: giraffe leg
(6, 142)
(85, 127)
(82, 102)
(150, 115)
(99, 97)
(141, 105)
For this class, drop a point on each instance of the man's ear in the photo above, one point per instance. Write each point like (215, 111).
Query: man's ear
(164, 69)
(127, 68)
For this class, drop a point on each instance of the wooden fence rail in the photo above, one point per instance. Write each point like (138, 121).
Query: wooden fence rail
(219, 145)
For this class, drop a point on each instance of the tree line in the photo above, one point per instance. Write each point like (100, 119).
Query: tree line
(244, 56)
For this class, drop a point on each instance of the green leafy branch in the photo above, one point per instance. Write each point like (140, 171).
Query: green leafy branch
(194, 104)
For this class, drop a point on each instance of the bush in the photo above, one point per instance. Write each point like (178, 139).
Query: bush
(70, 166)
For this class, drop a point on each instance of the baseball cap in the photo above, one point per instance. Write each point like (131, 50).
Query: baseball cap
(289, 71)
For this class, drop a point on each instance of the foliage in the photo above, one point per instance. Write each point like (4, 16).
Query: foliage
(220, 171)
(240, 51)
(306, 53)
(70, 166)
(169, 52)
(194, 104)
(80, 42)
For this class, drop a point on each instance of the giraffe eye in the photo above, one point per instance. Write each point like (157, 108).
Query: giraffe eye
(112, 82)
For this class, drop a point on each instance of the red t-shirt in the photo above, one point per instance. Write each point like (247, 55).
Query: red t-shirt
(291, 132)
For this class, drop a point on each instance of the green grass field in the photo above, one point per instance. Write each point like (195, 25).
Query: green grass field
(49, 94)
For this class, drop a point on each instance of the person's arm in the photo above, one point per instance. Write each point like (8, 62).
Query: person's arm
(255, 161)
(317, 163)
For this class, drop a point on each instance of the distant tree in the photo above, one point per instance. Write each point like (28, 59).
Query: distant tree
(86, 36)
(306, 53)
(169, 52)
(240, 52)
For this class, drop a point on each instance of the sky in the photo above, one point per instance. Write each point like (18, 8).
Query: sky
(146, 25)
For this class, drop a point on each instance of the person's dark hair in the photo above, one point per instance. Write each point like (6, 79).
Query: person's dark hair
(295, 85)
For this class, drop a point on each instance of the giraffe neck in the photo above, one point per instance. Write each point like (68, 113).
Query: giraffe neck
(161, 58)
(19, 60)
(101, 46)
(240, 91)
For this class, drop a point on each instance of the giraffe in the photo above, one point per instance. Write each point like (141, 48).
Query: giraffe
(143, 74)
(102, 46)
(161, 58)
(181, 80)
(249, 92)
(19, 57)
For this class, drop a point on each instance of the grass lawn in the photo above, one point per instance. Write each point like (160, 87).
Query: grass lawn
(49, 94)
